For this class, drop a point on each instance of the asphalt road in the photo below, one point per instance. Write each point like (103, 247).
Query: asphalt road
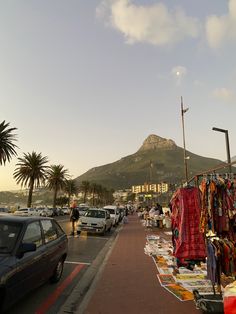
(81, 265)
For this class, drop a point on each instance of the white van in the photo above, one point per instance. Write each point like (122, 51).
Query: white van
(114, 213)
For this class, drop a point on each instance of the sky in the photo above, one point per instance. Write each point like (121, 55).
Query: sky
(86, 81)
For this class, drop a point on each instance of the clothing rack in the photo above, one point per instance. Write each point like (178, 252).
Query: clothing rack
(211, 171)
(213, 175)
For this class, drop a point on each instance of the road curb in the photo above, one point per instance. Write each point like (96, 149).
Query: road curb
(78, 299)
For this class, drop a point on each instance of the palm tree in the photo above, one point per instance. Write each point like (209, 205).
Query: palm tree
(31, 172)
(84, 188)
(70, 189)
(56, 180)
(7, 147)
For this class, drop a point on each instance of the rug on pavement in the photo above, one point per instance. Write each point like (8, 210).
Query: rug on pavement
(166, 279)
(178, 281)
(180, 292)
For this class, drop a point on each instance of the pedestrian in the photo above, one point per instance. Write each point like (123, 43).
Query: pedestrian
(159, 209)
(74, 216)
(126, 210)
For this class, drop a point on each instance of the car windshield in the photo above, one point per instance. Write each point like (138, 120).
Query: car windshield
(82, 208)
(9, 233)
(95, 214)
(111, 211)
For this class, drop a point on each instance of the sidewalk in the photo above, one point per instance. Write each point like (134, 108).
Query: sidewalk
(128, 283)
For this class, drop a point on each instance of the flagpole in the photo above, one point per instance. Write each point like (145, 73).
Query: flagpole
(185, 157)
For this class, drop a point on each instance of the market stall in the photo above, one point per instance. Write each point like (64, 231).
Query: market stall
(204, 226)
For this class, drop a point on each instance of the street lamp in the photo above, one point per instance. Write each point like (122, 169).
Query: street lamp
(227, 145)
(185, 157)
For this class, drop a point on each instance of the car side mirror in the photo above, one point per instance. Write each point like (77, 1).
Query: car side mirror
(25, 247)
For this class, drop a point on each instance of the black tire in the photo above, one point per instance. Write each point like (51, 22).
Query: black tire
(58, 271)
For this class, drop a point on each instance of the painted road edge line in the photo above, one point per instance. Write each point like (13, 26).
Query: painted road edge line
(54, 296)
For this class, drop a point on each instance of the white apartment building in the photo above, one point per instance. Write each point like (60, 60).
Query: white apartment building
(154, 187)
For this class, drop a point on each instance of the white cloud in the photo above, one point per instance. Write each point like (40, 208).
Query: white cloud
(153, 24)
(178, 73)
(224, 94)
(221, 28)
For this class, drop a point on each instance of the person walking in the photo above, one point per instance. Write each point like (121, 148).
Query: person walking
(74, 216)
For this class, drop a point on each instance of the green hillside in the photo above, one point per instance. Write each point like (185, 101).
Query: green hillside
(158, 160)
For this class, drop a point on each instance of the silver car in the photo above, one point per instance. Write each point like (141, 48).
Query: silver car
(95, 220)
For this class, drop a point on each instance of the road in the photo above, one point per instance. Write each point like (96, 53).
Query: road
(83, 251)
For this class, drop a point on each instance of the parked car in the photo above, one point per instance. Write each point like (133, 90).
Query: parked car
(4, 211)
(32, 251)
(27, 212)
(55, 211)
(95, 220)
(82, 210)
(46, 212)
(114, 212)
(66, 210)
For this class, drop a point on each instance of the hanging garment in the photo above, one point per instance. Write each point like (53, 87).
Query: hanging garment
(189, 244)
(211, 262)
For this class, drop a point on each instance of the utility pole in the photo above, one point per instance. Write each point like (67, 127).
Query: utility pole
(185, 157)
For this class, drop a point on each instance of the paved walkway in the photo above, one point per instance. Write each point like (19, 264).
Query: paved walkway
(129, 284)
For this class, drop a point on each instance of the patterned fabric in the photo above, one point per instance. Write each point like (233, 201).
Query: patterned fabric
(187, 239)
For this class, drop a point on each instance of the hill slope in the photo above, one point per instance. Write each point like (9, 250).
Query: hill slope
(157, 160)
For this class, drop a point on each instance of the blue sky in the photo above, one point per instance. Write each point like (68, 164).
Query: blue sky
(85, 82)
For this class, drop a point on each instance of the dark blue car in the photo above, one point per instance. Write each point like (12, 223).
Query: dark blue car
(32, 251)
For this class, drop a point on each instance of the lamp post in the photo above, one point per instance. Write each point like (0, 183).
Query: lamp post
(185, 157)
(227, 145)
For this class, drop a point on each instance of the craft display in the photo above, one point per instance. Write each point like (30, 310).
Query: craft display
(201, 256)
(178, 281)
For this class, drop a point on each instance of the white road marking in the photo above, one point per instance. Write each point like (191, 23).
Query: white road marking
(88, 237)
(77, 263)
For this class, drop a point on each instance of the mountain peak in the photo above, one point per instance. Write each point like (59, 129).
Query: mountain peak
(153, 142)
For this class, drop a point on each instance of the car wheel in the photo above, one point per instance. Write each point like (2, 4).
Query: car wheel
(58, 271)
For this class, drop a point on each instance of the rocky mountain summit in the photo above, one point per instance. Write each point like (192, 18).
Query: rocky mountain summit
(153, 142)
(166, 158)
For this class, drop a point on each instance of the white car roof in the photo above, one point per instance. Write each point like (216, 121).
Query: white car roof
(110, 206)
(95, 208)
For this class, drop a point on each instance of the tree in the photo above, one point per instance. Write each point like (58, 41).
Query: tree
(85, 188)
(62, 200)
(70, 189)
(56, 179)
(94, 189)
(31, 172)
(7, 147)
